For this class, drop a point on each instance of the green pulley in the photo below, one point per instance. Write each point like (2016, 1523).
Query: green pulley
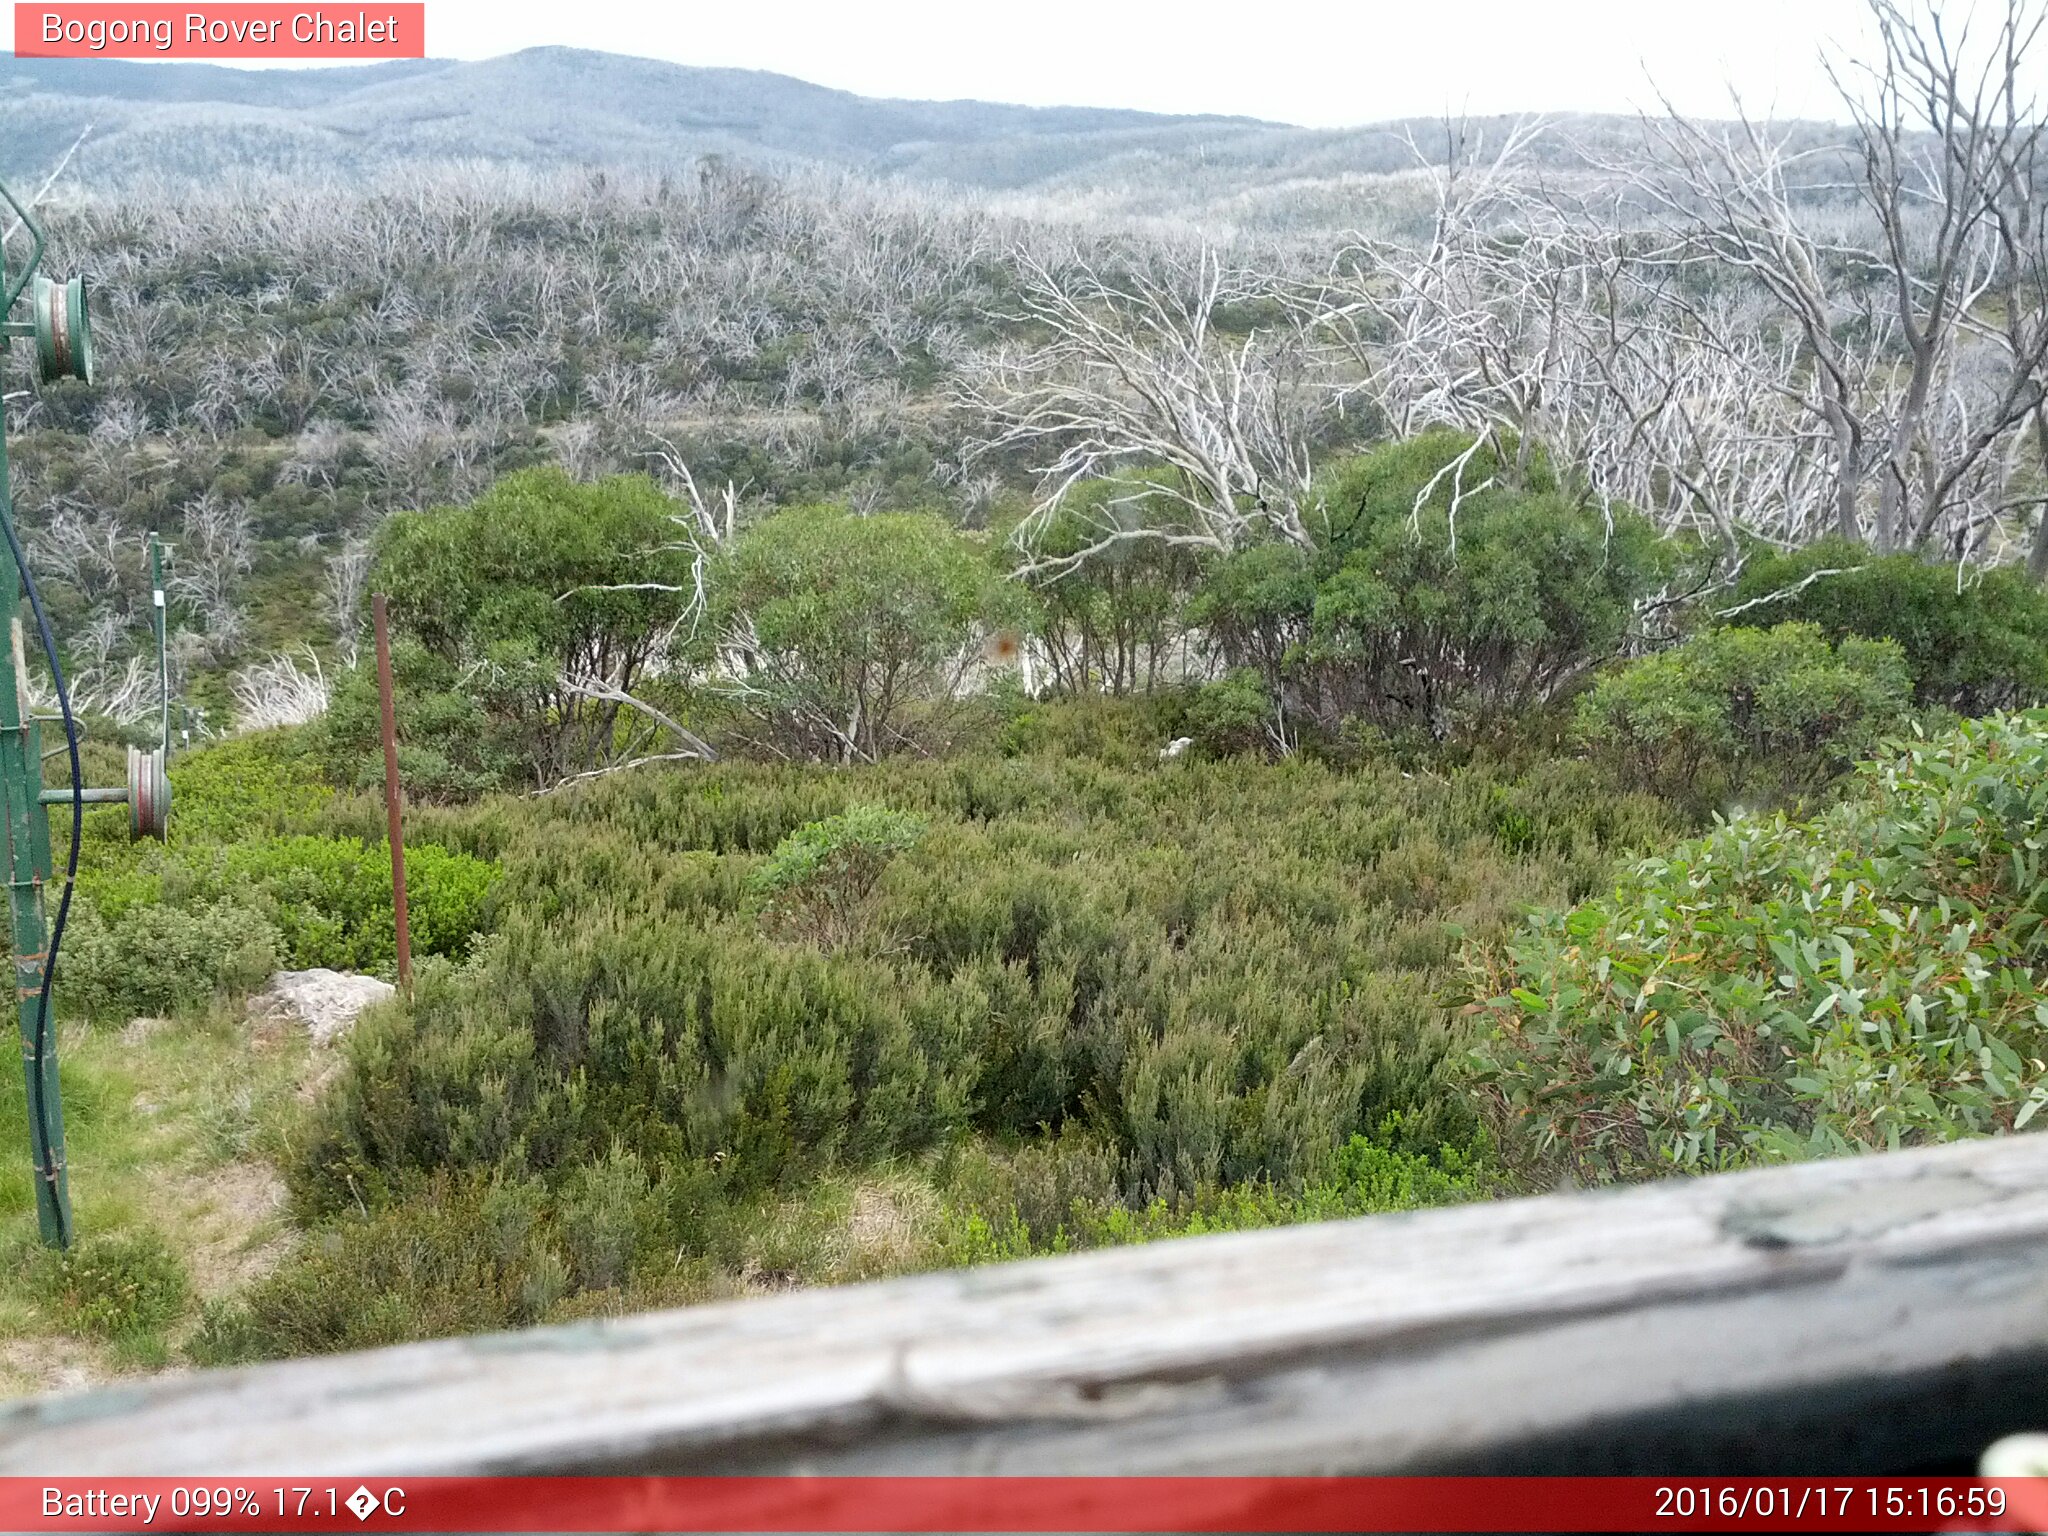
(63, 330)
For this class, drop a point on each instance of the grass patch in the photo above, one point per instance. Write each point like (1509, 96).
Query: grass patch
(169, 1127)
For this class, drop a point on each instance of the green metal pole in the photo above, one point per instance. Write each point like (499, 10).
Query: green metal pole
(163, 650)
(28, 869)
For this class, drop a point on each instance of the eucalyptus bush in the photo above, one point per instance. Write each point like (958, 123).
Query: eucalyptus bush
(850, 632)
(1781, 989)
(1110, 611)
(1975, 638)
(1746, 712)
(540, 584)
(1444, 594)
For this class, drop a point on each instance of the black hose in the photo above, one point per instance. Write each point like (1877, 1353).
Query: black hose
(39, 1097)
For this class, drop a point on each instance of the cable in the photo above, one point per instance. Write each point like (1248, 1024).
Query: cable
(41, 1094)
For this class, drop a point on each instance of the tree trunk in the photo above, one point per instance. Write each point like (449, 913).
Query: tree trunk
(2037, 556)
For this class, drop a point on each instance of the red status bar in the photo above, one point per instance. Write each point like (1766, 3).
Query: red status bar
(1027, 1504)
(236, 30)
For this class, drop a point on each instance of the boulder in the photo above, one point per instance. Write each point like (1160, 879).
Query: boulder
(326, 1002)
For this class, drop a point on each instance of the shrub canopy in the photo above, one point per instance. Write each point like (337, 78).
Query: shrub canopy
(1439, 597)
(541, 581)
(1781, 989)
(844, 625)
(1110, 623)
(1217, 972)
(1740, 712)
(1974, 640)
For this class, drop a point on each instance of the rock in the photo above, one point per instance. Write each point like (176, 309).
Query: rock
(326, 1002)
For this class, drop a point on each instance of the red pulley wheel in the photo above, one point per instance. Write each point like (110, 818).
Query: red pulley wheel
(149, 795)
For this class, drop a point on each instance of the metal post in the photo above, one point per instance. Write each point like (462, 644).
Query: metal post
(163, 649)
(62, 332)
(28, 867)
(391, 790)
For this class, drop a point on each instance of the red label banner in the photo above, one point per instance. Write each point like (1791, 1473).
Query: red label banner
(224, 31)
(1025, 1504)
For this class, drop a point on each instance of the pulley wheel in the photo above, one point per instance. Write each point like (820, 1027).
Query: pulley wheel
(149, 795)
(63, 330)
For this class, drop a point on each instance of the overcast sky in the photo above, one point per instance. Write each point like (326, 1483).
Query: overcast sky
(1319, 62)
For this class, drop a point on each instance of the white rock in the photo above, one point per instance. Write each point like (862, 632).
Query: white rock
(326, 1002)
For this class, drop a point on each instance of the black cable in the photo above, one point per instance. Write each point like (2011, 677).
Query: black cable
(41, 1094)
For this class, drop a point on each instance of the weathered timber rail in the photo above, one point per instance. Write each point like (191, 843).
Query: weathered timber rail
(1886, 1313)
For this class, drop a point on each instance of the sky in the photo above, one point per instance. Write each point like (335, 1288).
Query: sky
(1324, 63)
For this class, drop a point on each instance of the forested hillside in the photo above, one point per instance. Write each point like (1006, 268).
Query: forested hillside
(966, 689)
(545, 109)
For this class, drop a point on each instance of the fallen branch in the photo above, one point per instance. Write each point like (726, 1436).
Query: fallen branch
(611, 693)
(599, 773)
(1784, 592)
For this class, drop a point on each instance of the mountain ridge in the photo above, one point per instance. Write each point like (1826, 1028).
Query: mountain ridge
(539, 106)
(556, 107)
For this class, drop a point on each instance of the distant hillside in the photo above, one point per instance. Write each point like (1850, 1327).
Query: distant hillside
(549, 108)
(543, 107)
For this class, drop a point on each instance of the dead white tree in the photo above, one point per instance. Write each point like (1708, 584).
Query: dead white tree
(1941, 135)
(1141, 369)
(1893, 313)
(217, 550)
(706, 526)
(1455, 331)
(344, 580)
(278, 691)
(316, 455)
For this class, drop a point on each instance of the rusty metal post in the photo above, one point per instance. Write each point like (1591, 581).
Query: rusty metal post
(391, 791)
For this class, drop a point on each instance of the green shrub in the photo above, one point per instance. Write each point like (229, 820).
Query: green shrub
(331, 898)
(186, 924)
(464, 1256)
(1123, 733)
(153, 960)
(265, 782)
(1745, 712)
(1431, 620)
(1232, 714)
(539, 580)
(452, 745)
(1110, 615)
(1975, 640)
(1055, 1201)
(1257, 606)
(1437, 600)
(118, 1283)
(852, 624)
(819, 877)
(606, 1215)
(1781, 989)
(1222, 974)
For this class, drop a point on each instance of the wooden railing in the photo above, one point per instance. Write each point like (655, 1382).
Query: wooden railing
(1886, 1313)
